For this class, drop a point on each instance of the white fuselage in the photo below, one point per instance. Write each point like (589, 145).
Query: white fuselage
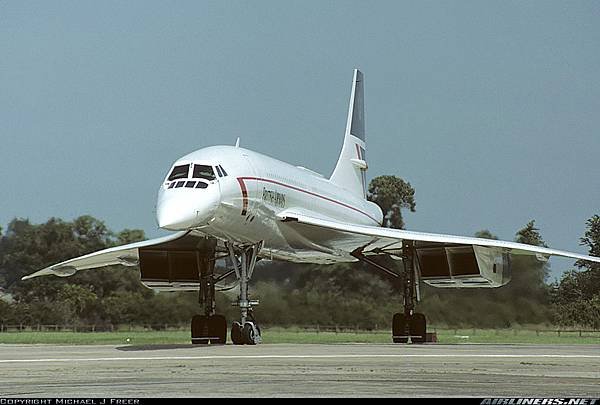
(249, 203)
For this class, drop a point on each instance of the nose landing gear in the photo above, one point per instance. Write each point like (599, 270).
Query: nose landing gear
(245, 334)
(247, 330)
(212, 327)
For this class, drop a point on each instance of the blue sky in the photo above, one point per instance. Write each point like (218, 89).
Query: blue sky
(489, 109)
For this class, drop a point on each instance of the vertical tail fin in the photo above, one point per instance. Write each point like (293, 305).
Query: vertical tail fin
(351, 167)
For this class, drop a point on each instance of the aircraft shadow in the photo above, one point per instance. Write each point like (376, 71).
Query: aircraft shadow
(137, 348)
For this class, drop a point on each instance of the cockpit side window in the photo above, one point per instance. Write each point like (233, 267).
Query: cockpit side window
(223, 170)
(219, 171)
(179, 172)
(204, 172)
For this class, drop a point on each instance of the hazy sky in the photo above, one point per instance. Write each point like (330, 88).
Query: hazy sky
(490, 109)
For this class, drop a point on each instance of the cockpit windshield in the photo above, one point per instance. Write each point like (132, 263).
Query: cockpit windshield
(204, 172)
(179, 172)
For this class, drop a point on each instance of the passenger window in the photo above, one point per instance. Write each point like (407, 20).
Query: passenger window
(219, 171)
(223, 170)
(201, 184)
(179, 172)
(204, 172)
(190, 184)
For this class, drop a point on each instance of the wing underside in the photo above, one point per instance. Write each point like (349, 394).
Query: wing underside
(168, 263)
(442, 260)
(175, 261)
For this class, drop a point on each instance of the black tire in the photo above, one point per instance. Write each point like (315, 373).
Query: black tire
(248, 334)
(217, 328)
(418, 328)
(199, 330)
(236, 333)
(399, 328)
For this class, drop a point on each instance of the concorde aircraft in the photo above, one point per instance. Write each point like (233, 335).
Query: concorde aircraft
(227, 202)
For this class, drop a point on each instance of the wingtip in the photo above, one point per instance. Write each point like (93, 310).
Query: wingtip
(44, 272)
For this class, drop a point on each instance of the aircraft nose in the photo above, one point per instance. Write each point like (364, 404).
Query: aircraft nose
(174, 215)
(181, 209)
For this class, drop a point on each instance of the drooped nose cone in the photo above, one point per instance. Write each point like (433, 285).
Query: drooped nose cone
(181, 209)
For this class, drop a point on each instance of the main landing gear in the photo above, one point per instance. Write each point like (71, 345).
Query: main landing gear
(211, 327)
(246, 331)
(407, 324)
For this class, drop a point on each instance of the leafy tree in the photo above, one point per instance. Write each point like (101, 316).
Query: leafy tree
(529, 274)
(591, 238)
(124, 307)
(576, 297)
(529, 269)
(130, 235)
(77, 301)
(6, 312)
(530, 235)
(341, 294)
(485, 234)
(392, 194)
(92, 233)
(26, 248)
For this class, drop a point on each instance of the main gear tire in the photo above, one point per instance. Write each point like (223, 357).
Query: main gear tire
(200, 330)
(236, 333)
(399, 328)
(249, 334)
(418, 328)
(217, 329)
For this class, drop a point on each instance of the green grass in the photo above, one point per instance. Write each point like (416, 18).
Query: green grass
(295, 335)
(96, 338)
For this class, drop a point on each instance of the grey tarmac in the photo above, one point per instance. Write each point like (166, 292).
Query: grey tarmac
(300, 370)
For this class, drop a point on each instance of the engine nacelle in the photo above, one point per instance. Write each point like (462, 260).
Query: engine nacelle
(176, 266)
(464, 266)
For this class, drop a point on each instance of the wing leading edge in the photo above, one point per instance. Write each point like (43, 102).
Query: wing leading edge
(372, 235)
(442, 260)
(127, 255)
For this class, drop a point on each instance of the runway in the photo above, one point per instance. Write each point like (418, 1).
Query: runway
(299, 370)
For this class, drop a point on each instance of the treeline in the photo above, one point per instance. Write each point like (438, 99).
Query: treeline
(290, 294)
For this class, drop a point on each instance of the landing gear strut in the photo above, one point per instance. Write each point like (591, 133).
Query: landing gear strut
(406, 324)
(246, 331)
(210, 327)
(409, 323)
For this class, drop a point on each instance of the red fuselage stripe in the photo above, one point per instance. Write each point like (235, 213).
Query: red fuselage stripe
(245, 194)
